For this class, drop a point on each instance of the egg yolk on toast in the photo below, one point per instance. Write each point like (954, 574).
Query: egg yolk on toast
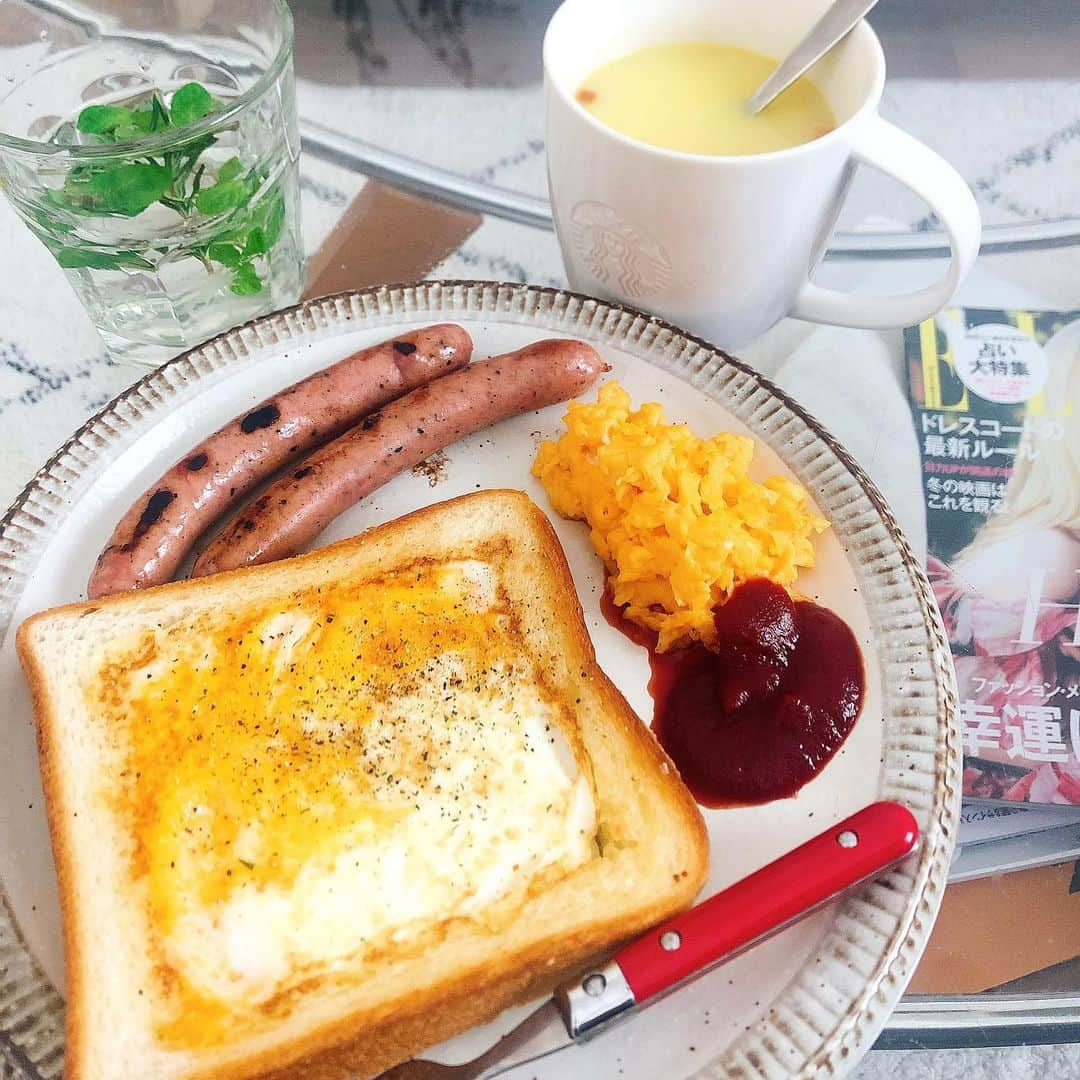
(340, 775)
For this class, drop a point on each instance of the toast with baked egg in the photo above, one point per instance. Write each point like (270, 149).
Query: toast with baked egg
(312, 817)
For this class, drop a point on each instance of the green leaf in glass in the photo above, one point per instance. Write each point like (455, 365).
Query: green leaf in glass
(126, 189)
(227, 254)
(256, 243)
(222, 197)
(102, 119)
(246, 282)
(230, 170)
(275, 218)
(127, 133)
(159, 115)
(190, 103)
(143, 117)
(72, 257)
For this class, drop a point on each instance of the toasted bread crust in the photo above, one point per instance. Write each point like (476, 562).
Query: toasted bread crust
(367, 1042)
(57, 812)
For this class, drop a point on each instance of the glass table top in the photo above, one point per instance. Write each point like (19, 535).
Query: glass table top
(415, 87)
(445, 100)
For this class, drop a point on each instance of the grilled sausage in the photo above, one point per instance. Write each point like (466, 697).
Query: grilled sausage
(297, 507)
(156, 534)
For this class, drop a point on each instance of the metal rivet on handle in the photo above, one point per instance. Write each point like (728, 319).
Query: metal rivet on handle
(670, 940)
(594, 985)
(848, 839)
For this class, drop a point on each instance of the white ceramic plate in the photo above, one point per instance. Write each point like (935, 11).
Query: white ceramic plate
(810, 1001)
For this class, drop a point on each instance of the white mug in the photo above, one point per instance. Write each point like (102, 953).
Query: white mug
(726, 245)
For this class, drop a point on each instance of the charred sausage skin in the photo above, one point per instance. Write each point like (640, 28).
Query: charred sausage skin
(157, 533)
(298, 506)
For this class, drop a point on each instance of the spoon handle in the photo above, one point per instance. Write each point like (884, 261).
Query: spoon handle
(837, 21)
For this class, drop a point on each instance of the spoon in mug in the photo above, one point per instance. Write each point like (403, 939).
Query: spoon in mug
(830, 29)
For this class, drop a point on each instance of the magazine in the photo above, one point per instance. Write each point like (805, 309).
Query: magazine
(990, 823)
(996, 402)
(1047, 847)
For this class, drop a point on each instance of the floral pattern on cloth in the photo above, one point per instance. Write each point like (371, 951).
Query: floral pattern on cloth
(990, 664)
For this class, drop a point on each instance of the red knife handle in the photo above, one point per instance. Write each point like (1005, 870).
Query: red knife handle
(833, 863)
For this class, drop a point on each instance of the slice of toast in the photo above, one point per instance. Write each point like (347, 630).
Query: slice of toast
(312, 817)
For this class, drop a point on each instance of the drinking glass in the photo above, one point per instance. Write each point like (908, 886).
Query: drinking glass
(153, 148)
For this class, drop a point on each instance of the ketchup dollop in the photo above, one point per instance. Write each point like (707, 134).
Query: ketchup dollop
(760, 712)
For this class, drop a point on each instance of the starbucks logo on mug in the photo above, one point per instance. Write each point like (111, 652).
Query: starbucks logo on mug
(620, 255)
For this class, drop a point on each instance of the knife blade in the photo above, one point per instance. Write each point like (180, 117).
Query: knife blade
(828, 867)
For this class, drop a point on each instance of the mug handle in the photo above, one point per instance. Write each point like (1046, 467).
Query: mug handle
(884, 147)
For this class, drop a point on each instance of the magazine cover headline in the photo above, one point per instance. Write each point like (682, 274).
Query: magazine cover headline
(996, 402)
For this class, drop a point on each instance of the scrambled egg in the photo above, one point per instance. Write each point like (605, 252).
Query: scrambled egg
(676, 518)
